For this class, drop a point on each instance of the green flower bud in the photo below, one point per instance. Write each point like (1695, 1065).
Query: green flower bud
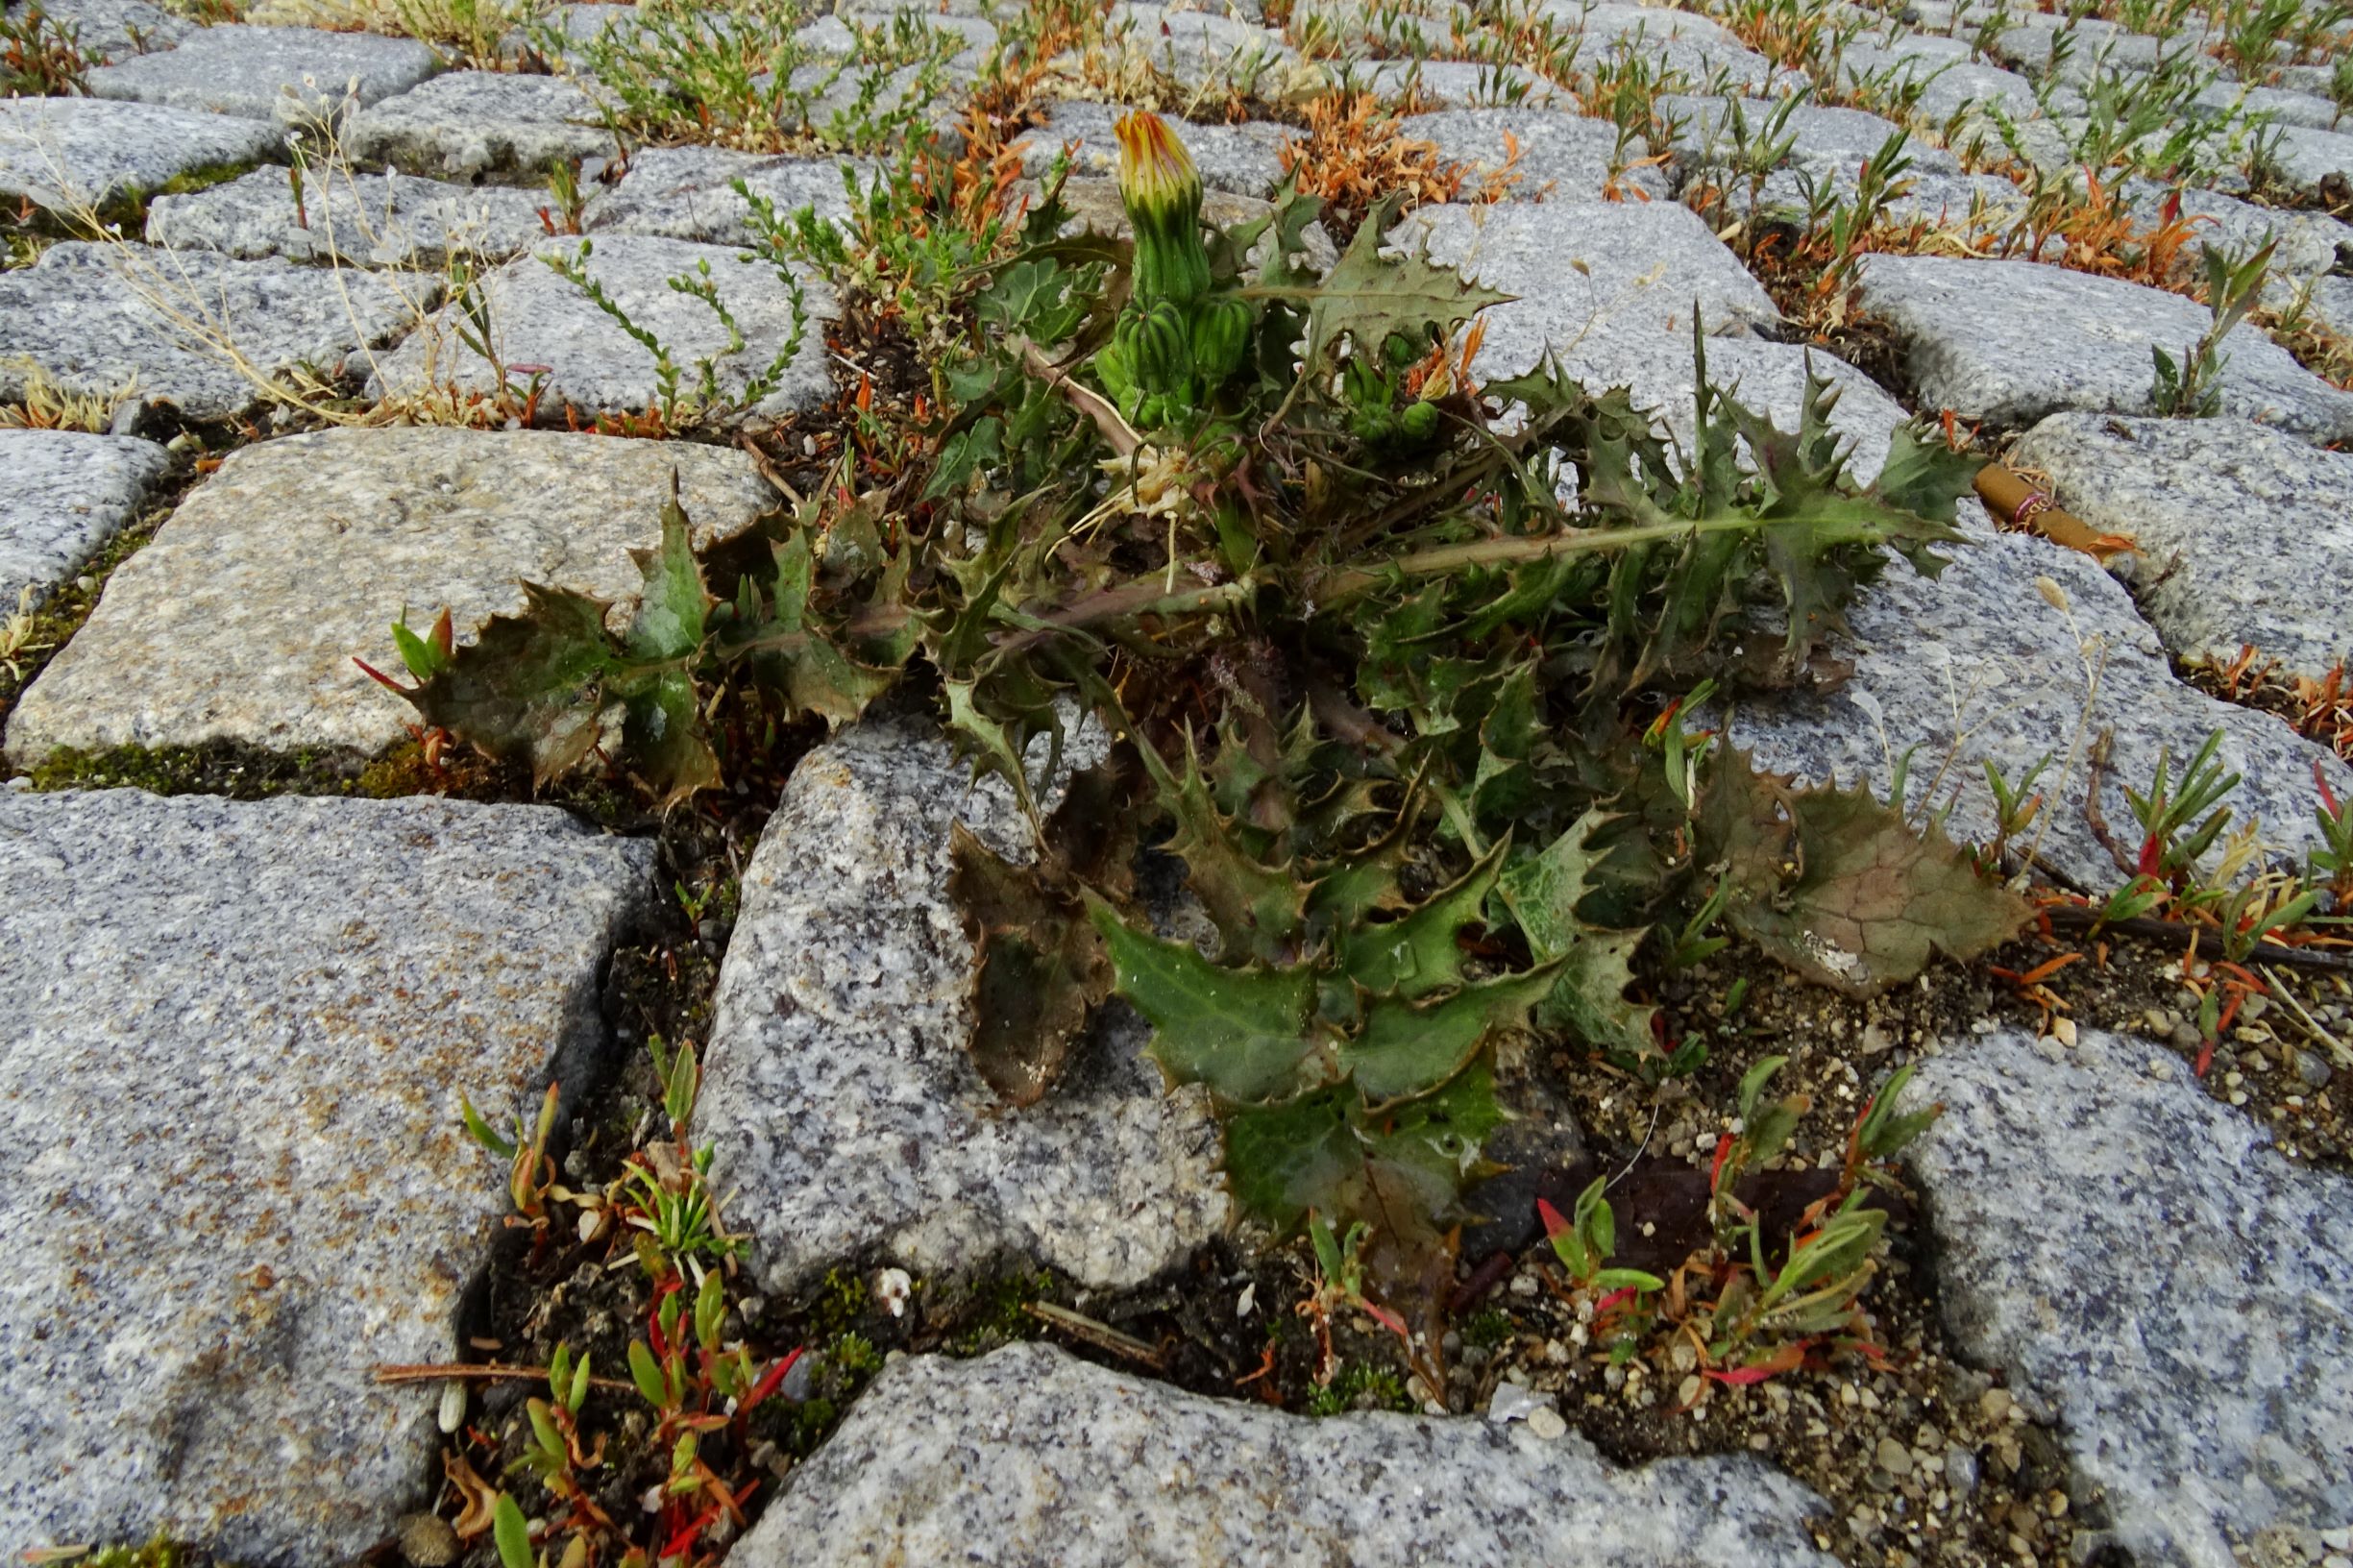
(1161, 191)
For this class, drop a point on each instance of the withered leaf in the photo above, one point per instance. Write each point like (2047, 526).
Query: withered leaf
(1863, 899)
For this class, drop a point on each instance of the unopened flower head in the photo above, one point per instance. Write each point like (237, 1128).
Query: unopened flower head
(1157, 178)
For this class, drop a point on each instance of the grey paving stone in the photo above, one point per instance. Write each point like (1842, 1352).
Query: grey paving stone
(849, 104)
(1451, 84)
(837, 1091)
(247, 608)
(1385, 29)
(1204, 51)
(1244, 159)
(2314, 164)
(374, 220)
(1028, 1457)
(1977, 666)
(236, 1179)
(2247, 534)
(62, 494)
(71, 152)
(2141, 1256)
(1715, 133)
(2008, 342)
(97, 318)
(469, 123)
(1948, 80)
(689, 192)
(1587, 275)
(1562, 156)
(290, 75)
(1698, 50)
(854, 31)
(594, 366)
(2307, 244)
(107, 30)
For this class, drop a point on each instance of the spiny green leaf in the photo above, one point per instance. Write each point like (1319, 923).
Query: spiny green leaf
(1258, 909)
(1589, 997)
(1241, 1031)
(1406, 1048)
(1416, 955)
(669, 618)
(816, 676)
(1367, 295)
(662, 733)
(1040, 970)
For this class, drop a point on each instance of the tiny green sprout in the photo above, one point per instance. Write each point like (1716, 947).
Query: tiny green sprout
(1882, 1132)
(647, 1373)
(2180, 822)
(425, 657)
(1583, 1244)
(2132, 900)
(512, 1534)
(567, 1379)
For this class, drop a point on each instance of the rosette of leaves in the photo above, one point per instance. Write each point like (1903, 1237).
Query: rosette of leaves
(1391, 694)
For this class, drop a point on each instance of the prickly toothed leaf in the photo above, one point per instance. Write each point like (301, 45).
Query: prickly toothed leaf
(662, 735)
(1362, 883)
(1408, 1048)
(1810, 525)
(1415, 955)
(1367, 295)
(531, 685)
(1589, 996)
(1868, 901)
(671, 614)
(1040, 970)
(1244, 1032)
(799, 657)
(1400, 1170)
(1259, 910)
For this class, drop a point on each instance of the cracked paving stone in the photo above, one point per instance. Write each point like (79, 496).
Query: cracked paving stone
(290, 75)
(99, 320)
(245, 612)
(847, 1117)
(234, 1180)
(73, 152)
(2007, 342)
(1028, 1458)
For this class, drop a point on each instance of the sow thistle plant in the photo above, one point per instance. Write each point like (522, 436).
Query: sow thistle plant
(1378, 647)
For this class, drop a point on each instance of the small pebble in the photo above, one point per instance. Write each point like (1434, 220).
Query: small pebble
(1547, 1423)
(1892, 1456)
(427, 1541)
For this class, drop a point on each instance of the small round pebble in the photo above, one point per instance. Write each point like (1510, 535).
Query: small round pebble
(1547, 1423)
(427, 1541)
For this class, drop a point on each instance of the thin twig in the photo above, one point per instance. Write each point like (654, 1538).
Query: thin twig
(1123, 439)
(481, 1372)
(1102, 1336)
